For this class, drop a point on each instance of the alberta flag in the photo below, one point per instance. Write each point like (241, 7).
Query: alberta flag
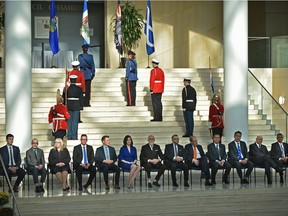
(85, 26)
(118, 30)
(53, 33)
(149, 30)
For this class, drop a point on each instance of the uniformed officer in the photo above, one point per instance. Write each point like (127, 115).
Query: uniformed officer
(80, 81)
(131, 78)
(189, 100)
(88, 67)
(75, 103)
(58, 117)
(157, 81)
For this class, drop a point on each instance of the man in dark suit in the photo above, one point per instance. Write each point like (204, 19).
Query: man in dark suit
(12, 160)
(174, 158)
(217, 159)
(36, 164)
(238, 157)
(279, 153)
(151, 157)
(83, 159)
(260, 156)
(195, 157)
(105, 159)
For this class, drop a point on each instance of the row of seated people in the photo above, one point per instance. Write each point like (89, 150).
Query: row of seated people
(175, 157)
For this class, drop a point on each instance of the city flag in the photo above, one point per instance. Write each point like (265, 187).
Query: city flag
(148, 30)
(85, 26)
(118, 30)
(53, 33)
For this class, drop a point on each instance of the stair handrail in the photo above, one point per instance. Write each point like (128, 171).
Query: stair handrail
(268, 92)
(14, 201)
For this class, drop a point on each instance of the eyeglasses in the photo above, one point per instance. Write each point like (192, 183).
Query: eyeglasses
(34, 142)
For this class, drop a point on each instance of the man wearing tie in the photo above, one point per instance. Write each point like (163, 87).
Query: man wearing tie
(279, 153)
(195, 157)
(174, 158)
(260, 156)
(238, 157)
(151, 157)
(12, 160)
(105, 159)
(217, 159)
(36, 164)
(83, 159)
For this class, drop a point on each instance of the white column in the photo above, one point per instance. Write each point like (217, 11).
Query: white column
(236, 68)
(18, 71)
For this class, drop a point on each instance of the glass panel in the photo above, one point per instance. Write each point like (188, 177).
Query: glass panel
(279, 52)
(259, 52)
(268, 108)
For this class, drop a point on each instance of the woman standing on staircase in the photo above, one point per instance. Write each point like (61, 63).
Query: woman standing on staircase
(128, 159)
(216, 112)
(131, 79)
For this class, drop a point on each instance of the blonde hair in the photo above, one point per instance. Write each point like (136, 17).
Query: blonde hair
(61, 144)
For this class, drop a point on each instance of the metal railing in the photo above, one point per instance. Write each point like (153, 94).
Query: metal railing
(267, 105)
(15, 207)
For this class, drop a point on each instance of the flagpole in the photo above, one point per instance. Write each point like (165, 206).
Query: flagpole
(210, 77)
(148, 62)
(52, 63)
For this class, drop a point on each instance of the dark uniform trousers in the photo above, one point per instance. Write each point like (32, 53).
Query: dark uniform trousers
(157, 105)
(131, 92)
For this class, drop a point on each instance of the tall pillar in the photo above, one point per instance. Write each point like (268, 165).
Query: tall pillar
(18, 71)
(236, 68)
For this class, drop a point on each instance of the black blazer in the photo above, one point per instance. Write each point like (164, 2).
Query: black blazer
(146, 153)
(100, 155)
(78, 154)
(5, 155)
(212, 152)
(169, 152)
(55, 157)
(233, 151)
(189, 151)
(255, 152)
(276, 150)
(191, 96)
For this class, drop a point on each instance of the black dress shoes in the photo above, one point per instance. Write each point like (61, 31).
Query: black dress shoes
(225, 181)
(186, 184)
(186, 135)
(244, 181)
(175, 184)
(281, 179)
(213, 182)
(155, 183)
(80, 187)
(208, 183)
(150, 185)
(116, 186)
(107, 187)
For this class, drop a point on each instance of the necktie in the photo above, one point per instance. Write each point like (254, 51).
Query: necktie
(282, 150)
(239, 151)
(218, 151)
(85, 155)
(10, 156)
(35, 152)
(107, 153)
(176, 151)
(195, 153)
(151, 146)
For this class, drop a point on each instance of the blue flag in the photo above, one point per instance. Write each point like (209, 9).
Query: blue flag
(148, 30)
(53, 33)
(118, 30)
(85, 25)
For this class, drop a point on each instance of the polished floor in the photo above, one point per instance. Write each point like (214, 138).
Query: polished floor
(196, 185)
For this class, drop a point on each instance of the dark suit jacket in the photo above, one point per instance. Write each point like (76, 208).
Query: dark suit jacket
(31, 157)
(100, 155)
(255, 152)
(276, 150)
(55, 157)
(189, 150)
(233, 151)
(169, 152)
(212, 152)
(78, 154)
(146, 153)
(5, 155)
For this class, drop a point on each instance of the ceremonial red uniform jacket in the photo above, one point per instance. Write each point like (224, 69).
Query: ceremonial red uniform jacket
(216, 115)
(60, 119)
(80, 81)
(157, 80)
